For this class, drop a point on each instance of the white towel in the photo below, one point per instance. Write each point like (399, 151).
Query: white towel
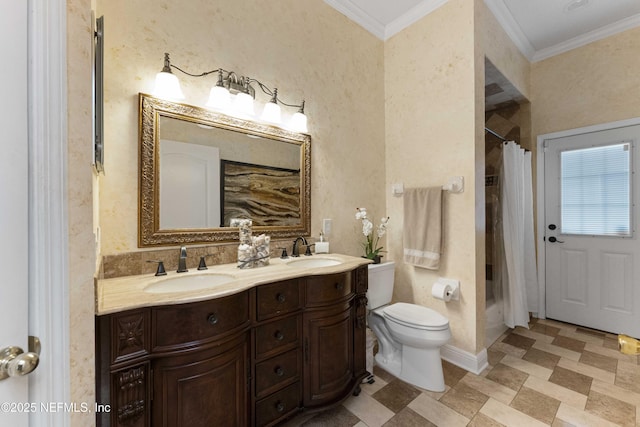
(422, 234)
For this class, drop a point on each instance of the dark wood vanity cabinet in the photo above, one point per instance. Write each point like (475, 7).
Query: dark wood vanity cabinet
(203, 388)
(254, 358)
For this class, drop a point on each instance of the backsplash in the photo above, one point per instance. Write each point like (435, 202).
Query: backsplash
(134, 263)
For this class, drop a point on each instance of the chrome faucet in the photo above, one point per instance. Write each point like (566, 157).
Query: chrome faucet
(295, 251)
(182, 261)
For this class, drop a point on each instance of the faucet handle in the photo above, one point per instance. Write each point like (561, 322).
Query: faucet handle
(284, 253)
(203, 265)
(308, 251)
(160, 271)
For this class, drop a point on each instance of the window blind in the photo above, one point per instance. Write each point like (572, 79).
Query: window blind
(595, 190)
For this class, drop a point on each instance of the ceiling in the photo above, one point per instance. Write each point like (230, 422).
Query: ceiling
(539, 28)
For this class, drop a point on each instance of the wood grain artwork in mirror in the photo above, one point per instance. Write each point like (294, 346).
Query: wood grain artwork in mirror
(200, 169)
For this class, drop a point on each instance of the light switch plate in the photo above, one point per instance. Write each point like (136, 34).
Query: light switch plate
(326, 226)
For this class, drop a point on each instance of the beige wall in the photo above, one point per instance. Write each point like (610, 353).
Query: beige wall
(307, 50)
(421, 92)
(80, 181)
(495, 44)
(596, 83)
(434, 103)
(430, 135)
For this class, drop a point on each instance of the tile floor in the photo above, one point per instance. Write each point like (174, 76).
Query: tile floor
(551, 374)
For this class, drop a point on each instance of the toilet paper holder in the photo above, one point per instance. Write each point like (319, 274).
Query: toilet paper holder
(454, 284)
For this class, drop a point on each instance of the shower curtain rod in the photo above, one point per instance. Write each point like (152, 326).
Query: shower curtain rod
(501, 137)
(495, 134)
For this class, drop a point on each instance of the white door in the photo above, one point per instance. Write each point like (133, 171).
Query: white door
(189, 185)
(13, 203)
(591, 242)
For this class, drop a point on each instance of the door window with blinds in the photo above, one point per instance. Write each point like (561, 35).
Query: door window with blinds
(595, 196)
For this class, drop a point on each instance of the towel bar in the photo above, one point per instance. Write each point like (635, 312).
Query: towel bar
(454, 185)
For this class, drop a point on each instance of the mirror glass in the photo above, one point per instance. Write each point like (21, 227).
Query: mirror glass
(201, 170)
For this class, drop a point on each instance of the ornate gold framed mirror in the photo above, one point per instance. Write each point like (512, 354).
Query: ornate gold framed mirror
(201, 170)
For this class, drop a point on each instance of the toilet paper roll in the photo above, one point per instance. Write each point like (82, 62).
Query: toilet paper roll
(441, 291)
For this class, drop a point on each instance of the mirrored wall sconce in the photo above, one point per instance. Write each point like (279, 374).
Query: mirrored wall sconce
(232, 94)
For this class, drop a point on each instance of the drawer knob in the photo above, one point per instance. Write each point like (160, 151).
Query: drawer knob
(279, 371)
(339, 286)
(280, 406)
(212, 319)
(279, 335)
(281, 297)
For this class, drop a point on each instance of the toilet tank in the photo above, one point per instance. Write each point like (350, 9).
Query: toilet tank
(380, 284)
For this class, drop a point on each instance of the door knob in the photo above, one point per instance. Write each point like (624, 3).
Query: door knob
(552, 239)
(14, 362)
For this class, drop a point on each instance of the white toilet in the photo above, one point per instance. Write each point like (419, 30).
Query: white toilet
(409, 335)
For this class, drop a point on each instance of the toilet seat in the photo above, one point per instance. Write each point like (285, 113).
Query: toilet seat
(415, 316)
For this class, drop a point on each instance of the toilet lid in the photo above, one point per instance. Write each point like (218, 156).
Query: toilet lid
(416, 316)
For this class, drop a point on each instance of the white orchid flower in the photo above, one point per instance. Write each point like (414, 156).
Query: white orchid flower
(371, 248)
(367, 227)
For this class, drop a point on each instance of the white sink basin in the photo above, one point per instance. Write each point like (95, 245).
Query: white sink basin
(188, 283)
(314, 262)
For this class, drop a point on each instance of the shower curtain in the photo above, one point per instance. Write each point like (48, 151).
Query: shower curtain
(519, 274)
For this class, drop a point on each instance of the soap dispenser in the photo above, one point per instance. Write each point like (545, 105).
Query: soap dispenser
(322, 247)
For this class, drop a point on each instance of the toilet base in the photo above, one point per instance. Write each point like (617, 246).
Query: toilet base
(423, 368)
(409, 365)
(392, 366)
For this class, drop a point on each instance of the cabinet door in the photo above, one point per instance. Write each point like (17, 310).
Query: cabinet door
(129, 404)
(205, 388)
(328, 355)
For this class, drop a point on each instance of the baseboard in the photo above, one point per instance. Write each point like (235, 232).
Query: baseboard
(474, 363)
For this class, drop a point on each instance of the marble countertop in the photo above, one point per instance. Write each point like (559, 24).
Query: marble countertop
(124, 293)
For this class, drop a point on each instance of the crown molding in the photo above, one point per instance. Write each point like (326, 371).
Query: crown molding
(411, 16)
(590, 37)
(362, 18)
(517, 36)
(511, 27)
(359, 16)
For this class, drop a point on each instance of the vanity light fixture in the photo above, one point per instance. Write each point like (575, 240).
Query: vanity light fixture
(272, 112)
(299, 120)
(219, 97)
(241, 105)
(167, 84)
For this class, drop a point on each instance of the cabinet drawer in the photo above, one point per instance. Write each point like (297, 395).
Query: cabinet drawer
(328, 289)
(277, 298)
(276, 336)
(193, 323)
(278, 405)
(277, 371)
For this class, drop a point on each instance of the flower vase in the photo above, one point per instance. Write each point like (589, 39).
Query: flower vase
(376, 259)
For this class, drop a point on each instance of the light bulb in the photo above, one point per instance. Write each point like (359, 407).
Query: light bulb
(219, 98)
(298, 123)
(167, 84)
(272, 113)
(243, 104)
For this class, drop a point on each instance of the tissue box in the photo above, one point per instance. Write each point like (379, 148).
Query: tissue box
(322, 247)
